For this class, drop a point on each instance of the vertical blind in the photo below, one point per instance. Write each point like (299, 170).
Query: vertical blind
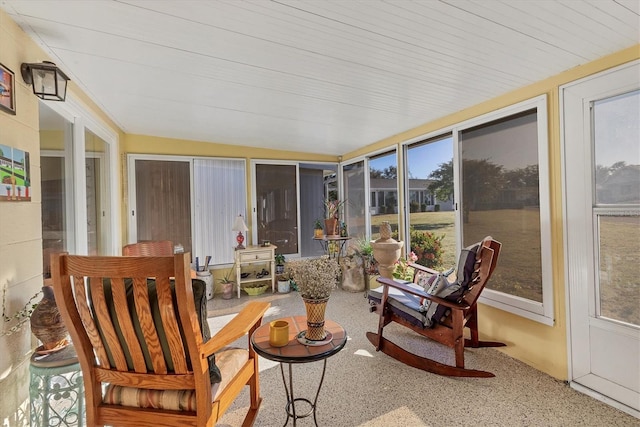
(219, 193)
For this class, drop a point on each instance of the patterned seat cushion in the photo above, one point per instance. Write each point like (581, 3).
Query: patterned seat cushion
(403, 304)
(229, 360)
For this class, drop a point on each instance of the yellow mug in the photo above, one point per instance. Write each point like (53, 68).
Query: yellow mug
(278, 333)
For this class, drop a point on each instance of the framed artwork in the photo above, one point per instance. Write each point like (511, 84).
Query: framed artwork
(7, 90)
(15, 175)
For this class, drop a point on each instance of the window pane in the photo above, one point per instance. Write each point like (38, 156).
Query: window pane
(355, 206)
(277, 201)
(383, 185)
(431, 196)
(619, 268)
(500, 197)
(616, 170)
(617, 149)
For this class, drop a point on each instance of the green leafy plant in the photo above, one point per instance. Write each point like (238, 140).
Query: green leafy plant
(363, 249)
(402, 270)
(332, 208)
(427, 247)
(21, 316)
(279, 259)
(317, 225)
(229, 275)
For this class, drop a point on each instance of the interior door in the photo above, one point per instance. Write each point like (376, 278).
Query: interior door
(602, 204)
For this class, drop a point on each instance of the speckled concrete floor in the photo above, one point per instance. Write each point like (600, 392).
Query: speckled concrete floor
(365, 388)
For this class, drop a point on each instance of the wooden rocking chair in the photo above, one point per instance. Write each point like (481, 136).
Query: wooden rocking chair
(402, 303)
(143, 345)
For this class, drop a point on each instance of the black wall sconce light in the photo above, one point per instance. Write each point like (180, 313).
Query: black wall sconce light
(48, 81)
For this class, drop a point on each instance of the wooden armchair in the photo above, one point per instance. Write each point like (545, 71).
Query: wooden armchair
(142, 342)
(403, 303)
(149, 248)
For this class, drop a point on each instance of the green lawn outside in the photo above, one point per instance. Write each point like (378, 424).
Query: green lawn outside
(520, 265)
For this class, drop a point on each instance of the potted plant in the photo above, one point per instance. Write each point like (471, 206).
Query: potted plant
(284, 283)
(318, 232)
(332, 210)
(279, 260)
(227, 282)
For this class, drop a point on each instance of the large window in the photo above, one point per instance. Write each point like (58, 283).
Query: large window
(383, 192)
(355, 207)
(430, 200)
(505, 194)
(486, 176)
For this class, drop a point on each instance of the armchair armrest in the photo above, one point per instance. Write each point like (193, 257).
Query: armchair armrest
(417, 292)
(247, 320)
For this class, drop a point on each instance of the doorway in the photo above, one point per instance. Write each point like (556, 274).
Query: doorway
(602, 226)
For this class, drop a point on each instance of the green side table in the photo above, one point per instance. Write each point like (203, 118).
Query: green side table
(56, 389)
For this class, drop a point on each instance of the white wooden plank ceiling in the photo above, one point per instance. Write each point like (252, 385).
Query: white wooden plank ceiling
(312, 76)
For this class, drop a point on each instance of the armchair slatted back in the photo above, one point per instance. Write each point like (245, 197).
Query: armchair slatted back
(149, 248)
(134, 323)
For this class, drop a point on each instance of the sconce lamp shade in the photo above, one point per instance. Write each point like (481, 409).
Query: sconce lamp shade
(48, 81)
(240, 227)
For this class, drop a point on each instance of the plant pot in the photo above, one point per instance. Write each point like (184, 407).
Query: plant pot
(227, 290)
(46, 321)
(315, 318)
(318, 233)
(331, 226)
(284, 286)
(207, 278)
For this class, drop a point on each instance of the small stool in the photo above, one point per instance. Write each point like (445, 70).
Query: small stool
(56, 389)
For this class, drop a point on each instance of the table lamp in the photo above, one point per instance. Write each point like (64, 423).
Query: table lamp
(240, 227)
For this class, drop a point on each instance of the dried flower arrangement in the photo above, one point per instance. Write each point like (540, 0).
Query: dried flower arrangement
(315, 278)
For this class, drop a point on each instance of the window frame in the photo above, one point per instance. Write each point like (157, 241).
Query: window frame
(541, 312)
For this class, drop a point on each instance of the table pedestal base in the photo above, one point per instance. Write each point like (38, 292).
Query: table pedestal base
(292, 400)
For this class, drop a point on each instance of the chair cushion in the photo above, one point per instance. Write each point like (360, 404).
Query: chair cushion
(200, 299)
(230, 360)
(403, 304)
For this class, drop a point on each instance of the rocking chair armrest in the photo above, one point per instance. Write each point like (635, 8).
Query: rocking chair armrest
(417, 292)
(423, 268)
(244, 322)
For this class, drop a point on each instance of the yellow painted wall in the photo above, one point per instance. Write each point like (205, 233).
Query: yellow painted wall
(543, 347)
(20, 232)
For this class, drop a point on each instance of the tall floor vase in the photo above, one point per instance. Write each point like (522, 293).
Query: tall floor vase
(315, 318)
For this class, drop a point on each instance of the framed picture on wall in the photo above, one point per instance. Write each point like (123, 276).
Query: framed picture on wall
(7, 90)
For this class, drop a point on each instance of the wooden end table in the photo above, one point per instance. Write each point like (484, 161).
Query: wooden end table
(295, 352)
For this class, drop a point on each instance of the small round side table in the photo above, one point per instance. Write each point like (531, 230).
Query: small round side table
(56, 389)
(294, 353)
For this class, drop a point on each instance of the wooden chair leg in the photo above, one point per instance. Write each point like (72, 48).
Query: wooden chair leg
(458, 337)
(474, 341)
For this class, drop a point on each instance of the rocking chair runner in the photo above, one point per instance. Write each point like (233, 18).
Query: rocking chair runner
(141, 339)
(401, 303)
